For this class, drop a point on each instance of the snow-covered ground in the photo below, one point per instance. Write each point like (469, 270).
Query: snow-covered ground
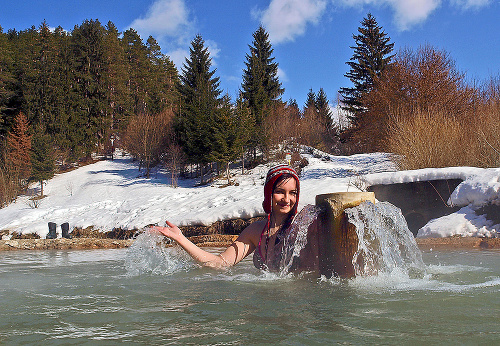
(109, 194)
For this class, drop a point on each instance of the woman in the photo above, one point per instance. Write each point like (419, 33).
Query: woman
(281, 196)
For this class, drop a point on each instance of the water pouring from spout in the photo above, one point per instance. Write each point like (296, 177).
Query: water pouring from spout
(384, 241)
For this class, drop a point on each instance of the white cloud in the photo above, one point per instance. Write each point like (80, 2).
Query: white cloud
(178, 57)
(213, 49)
(406, 12)
(470, 4)
(170, 23)
(286, 19)
(411, 12)
(164, 18)
(282, 75)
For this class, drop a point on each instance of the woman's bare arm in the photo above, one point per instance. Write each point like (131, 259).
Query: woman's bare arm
(243, 246)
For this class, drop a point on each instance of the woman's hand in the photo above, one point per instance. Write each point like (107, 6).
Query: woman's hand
(171, 231)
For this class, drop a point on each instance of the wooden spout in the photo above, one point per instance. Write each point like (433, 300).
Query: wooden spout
(338, 241)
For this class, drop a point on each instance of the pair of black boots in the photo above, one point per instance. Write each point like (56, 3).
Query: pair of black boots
(53, 234)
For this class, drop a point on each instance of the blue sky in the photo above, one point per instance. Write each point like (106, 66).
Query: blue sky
(311, 38)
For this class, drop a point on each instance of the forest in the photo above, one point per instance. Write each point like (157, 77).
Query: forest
(67, 98)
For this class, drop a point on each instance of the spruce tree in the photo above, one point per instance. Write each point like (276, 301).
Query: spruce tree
(324, 111)
(42, 158)
(91, 124)
(117, 75)
(310, 100)
(260, 84)
(196, 119)
(137, 62)
(230, 135)
(162, 79)
(62, 130)
(246, 123)
(372, 54)
(7, 81)
(294, 109)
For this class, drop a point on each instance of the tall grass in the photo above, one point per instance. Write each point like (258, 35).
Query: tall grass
(437, 139)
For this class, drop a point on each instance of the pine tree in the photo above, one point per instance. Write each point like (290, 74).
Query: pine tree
(372, 54)
(137, 62)
(324, 111)
(230, 135)
(7, 81)
(310, 100)
(261, 85)
(42, 158)
(91, 123)
(117, 76)
(199, 89)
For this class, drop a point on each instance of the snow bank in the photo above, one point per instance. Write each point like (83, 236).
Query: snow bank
(478, 189)
(465, 223)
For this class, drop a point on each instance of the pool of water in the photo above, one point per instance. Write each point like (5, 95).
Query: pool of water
(102, 297)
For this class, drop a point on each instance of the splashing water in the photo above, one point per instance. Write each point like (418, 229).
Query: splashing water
(385, 244)
(148, 254)
(296, 237)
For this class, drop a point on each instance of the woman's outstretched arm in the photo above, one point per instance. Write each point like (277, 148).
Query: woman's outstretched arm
(238, 250)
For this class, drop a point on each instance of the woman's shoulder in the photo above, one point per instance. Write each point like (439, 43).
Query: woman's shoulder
(254, 230)
(257, 225)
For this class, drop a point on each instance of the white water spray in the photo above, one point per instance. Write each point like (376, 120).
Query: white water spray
(385, 242)
(149, 254)
(296, 238)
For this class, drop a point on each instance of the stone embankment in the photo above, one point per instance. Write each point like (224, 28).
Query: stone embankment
(220, 240)
(459, 243)
(213, 240)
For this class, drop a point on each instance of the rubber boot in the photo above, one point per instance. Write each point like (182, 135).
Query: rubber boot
(65, 230)
(52, 231)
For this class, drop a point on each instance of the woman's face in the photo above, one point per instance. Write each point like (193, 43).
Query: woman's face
(284, 196)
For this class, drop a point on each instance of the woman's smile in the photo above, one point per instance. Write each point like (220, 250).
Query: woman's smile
(284, 196)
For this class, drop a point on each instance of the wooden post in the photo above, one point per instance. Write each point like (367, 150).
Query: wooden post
(338, 241)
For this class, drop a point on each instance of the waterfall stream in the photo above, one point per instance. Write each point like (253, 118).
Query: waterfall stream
(384, 241)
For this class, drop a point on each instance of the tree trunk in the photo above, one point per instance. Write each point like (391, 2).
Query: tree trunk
(242, 161)
(227, 174)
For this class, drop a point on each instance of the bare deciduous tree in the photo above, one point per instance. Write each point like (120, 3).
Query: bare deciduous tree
(147, 137)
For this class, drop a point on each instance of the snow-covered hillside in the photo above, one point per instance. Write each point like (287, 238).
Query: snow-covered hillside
(109, 194)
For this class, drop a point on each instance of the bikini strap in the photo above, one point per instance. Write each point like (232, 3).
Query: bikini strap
(266, 226)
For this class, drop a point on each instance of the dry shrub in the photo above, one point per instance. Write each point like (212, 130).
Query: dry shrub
(312, 130)
(9, 186)
(486, 126)
(280, 126)
(439, 139)
(428, 140)
(147, 137)
(284, 126)
(417, 83)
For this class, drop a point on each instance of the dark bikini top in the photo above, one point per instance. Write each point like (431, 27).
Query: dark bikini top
(261, 262)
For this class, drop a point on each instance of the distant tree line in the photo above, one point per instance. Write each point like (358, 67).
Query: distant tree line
(67, 95)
